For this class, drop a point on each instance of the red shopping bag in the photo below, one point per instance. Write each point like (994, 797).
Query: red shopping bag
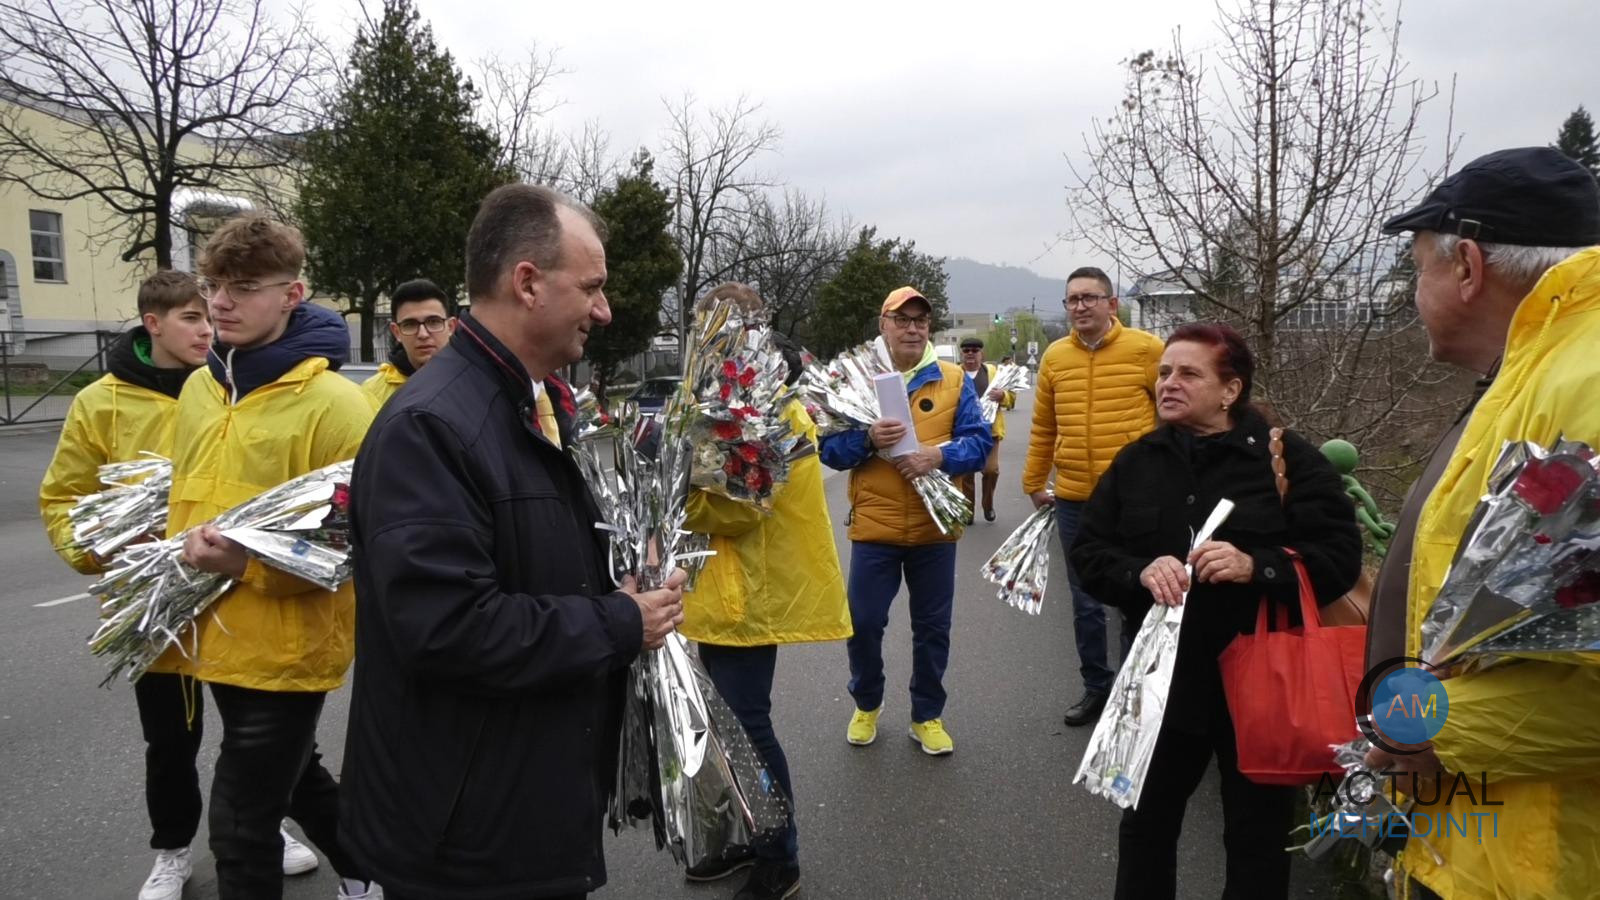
(1292, 692)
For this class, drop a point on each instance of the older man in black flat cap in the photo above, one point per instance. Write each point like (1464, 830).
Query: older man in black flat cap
(980, 373)
(1508, 285)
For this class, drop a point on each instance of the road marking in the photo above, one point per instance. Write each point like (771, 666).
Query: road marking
(62, 600)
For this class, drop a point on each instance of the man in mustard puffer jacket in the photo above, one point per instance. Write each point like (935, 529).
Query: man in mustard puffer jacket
(1095, 395)
(775, 579)
(1503, 280)
(268, 407)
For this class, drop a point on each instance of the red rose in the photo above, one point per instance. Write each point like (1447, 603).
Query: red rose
(729, 369)
(1582, 592)
(727, 431)
(1546, 484)
(747, 377)
(726, 393)
(341, 497)
(749, 453)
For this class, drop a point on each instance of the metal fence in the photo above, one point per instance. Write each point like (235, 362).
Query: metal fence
(41, 371)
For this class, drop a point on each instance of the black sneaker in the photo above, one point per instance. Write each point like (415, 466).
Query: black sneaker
(721, 867)
(770, 880)
(988, 515)
(1086, 710)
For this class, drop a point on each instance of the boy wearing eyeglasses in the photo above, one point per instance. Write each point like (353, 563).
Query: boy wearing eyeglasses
(420, 322)
(269, 406)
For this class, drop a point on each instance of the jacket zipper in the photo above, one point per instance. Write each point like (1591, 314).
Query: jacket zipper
(461, 786)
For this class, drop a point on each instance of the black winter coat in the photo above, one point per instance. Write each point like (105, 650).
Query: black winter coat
(490, 647)
(1160, 489)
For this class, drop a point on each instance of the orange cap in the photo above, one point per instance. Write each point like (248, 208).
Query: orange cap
(900, 297)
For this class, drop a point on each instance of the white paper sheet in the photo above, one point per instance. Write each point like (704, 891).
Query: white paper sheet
(893, 403)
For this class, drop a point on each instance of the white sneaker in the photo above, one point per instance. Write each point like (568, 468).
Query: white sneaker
(297, 857)
(171, 870)
(372, 890)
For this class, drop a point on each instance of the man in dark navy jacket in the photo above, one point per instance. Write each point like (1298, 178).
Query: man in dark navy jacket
(490, 646)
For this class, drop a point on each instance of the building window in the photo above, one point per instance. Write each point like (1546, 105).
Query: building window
(49, 250)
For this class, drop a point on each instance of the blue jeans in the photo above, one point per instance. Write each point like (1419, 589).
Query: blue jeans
(930, 575)
(743, 676)
(1088, 616)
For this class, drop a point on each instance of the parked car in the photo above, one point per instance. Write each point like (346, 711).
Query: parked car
(653, 393)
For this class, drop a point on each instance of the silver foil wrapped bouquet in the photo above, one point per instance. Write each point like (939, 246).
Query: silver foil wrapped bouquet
(1525, 582)
(742, 442)
(132, 507)
(1021, 567)
(1008, 377)
(151, 596)
(1118, 757)
(842, 395)
(685, 764)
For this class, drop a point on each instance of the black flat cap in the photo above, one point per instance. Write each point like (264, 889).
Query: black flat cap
(971, 342)
(1527, 196)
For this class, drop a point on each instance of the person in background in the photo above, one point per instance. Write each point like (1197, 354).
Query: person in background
(269, 406)
(981, 373)
(775, 579)
(129, 411)
(1095, 392)
(1131, 550)
(420, 322)
(891, 532)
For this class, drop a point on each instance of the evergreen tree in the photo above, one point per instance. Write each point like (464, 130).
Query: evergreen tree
(391, 186)
(848, 303)
(642, 262)
(1577, 140)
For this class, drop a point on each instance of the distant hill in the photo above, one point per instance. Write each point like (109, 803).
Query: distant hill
(980, 287)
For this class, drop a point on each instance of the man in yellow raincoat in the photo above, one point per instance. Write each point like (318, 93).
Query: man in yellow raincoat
(775, 580)
(1504, 281)
(269, 406)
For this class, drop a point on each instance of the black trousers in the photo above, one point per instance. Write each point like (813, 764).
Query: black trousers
(171, 715)
(269, 767)
(1256, 821)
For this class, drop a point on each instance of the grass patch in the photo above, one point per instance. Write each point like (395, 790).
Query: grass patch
(78, 381)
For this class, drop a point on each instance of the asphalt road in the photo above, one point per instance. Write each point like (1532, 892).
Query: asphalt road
(998, 818)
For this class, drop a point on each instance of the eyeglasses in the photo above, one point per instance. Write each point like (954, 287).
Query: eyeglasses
(1083, 300)
(408, 327)
(970, 349)
(900, 321)
(239, 290)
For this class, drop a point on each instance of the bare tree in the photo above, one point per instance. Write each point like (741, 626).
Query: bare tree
(1257, 185)
(787, 246)
(708, 161)
(148, 99)
(516, 106)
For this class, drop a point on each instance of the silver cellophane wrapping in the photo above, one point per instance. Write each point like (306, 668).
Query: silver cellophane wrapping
(1118, 757)
(150, 597)
(1020, 568)
(841, 396)
(132, 507)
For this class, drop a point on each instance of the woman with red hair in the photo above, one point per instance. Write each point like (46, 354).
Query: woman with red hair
(1131, 552)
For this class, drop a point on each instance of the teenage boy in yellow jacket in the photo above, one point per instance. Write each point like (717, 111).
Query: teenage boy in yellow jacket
(775, 580)
(420, 322)
(268, 407)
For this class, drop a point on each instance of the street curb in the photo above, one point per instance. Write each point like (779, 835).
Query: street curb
(30, 428)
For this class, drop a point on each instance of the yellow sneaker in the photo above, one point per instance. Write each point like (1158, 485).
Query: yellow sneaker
(863, 727)
(931, 735)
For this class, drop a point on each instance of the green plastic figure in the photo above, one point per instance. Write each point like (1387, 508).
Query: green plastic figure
(1344, 457)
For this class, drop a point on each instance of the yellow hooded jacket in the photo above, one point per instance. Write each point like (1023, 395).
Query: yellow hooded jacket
(1089, 404)
(775, 578)
(1531, 728)
(382, 385)
(272, 631)
(111, 420)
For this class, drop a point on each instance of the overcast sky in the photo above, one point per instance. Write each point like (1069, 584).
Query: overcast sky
(951, 124)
